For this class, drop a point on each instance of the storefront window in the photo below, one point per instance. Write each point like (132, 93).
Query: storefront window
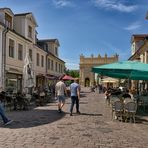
(13, 83)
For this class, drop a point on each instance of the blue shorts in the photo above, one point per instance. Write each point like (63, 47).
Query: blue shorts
(61, 98)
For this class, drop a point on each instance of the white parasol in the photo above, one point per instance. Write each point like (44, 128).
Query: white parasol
(28, 74)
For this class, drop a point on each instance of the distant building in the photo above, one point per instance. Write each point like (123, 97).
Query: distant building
(87, 77)
(18, 36)
(54, 65)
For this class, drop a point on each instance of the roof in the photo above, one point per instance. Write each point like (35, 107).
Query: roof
(50, 40)
(25, 14)
(140, 35)
(49, 53)
(8, 9)
(22, 14)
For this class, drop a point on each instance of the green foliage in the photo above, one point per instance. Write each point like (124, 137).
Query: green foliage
(73, 73)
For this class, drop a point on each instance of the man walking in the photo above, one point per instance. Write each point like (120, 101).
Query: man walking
(60, 91)
(75, 96)
(2, 112)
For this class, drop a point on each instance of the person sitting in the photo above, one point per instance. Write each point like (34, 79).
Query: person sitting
(126, 94)
(107, 95)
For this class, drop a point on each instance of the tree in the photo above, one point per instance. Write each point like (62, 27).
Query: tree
(73, 73)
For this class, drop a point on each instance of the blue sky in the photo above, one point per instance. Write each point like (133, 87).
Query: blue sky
(86, 26)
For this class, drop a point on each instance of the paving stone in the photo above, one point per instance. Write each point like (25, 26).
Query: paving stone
(44, 127)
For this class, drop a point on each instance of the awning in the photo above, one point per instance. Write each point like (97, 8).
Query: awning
(52, 77)
(40, 75)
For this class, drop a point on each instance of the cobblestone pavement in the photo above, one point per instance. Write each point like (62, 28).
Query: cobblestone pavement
(44, 127)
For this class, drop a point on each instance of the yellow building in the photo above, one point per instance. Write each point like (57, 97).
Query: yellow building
(87, 77)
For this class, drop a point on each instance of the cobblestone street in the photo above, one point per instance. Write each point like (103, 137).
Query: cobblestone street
(44, 127)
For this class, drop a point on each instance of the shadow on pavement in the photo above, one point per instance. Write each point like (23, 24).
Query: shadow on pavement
(33, 118)
(89, 114)
(141, 120)
(81, 102)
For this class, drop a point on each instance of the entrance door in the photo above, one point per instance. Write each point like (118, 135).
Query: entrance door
(87, 82)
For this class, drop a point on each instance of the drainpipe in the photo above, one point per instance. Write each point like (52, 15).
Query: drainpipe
(46, 69)
(4, 33)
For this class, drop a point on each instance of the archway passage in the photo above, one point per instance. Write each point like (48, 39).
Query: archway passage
(87, 82)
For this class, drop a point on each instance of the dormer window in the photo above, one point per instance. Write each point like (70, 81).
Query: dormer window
(8, 21)
(29, 31)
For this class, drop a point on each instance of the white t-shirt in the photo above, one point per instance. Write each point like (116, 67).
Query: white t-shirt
(60, 88)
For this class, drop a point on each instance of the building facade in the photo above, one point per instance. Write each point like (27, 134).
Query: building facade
(139, 48)
(18, 36)
(87, 77)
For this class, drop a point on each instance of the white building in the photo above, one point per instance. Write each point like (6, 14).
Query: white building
(18, 36)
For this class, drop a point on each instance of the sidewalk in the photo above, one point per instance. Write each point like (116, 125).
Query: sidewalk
(44, 127)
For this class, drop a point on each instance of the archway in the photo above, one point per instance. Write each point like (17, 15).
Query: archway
(87, 82)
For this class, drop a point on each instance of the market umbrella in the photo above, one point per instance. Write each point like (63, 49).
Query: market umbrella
(110, 80)
(28, 75)
(132, 70)
(66, 77)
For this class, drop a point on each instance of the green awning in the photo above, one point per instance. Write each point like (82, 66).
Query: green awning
(127, 69)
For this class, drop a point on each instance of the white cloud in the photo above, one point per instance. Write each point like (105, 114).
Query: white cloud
(114, 5)
(111, 47)
(62, 3)
(71, 64)
(133, 26)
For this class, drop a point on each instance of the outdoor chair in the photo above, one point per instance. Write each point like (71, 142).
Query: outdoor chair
(21, 102)
(117, 109)
(113, 99)
(143, 101)
(130, 109)
(126, 100)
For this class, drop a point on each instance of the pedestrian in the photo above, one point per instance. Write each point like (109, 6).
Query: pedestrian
(75, 96)
(6, 121)
(60, 92)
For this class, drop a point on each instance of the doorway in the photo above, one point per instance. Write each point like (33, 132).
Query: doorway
(87, 82)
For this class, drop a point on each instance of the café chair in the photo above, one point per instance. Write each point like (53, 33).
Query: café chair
(130, 109)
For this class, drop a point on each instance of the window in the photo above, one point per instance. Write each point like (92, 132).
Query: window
(51, 64)
(42, 61)
(56, 66)
(59, 68)
(30, 54)
(29, 31)
(56, 50)
(8, 21)
(11, 48)
(20, 52)
(37, 59)
(48, 63)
